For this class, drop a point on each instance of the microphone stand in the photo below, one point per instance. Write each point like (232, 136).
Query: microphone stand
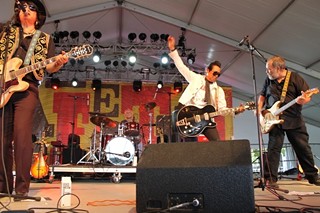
(72, 124)
(262, 183)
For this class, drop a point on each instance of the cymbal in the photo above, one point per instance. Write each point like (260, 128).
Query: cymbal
(150, 105)
(98, 120)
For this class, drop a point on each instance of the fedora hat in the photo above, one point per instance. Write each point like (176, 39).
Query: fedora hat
(41, 12)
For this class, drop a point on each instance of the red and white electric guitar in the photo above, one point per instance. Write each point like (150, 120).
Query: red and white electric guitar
(14, 75)
(267, 124)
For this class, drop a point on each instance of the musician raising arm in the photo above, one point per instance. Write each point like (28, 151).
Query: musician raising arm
(195, 92)
(19, 109)
(290, 122)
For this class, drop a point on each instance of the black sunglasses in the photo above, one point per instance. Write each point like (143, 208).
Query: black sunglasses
(216, 73)
(32, 7)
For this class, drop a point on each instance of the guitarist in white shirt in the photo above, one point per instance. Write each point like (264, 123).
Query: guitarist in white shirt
(194, 94)
(18, 112)
(293, 124)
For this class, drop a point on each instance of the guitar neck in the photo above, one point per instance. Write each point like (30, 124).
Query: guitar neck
(222, 112)
(281, 109)
(32, 67)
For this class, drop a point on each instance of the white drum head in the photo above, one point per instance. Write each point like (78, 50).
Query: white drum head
(120, 151)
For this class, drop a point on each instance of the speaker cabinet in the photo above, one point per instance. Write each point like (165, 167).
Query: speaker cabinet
(200, 177)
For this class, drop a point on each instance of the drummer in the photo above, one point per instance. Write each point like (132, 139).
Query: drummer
(129, 118)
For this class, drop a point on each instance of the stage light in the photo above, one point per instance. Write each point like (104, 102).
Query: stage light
(191, 58)
(63, 34)
(86, 35)
(172, 65)
(124, 63)
(74, 82)
(74, 34)
(132, 37)
(107, 63)
(81, 61)
(115, 63)
(142, 36)
(96, 84)
(96, 56)
(177, 86)
(137, 85)
(160, 84)
(154, 37)
(132, 57)
(72, 61)
(55, 83)
(156, 65)
(97, 34)
(164, 58)
(164, 37)
(55, 37)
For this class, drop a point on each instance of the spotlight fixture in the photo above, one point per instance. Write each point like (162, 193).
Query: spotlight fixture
(81, 61)
(137, 85)
(97, 34)
(142, 36)
(74, 34)
(124, 63)
(164, 58)
(132, 57)
(96, 84)
(115, 63)
(132, 37)
(177, 86)
(63, 34)
(172, 65)
(156, 65)
(160, 84)
(191, 58)
(107, 63)
(86, 35)
(164, 37)
(55, 83)
(74, 82)
(96, 56)
(154, 37)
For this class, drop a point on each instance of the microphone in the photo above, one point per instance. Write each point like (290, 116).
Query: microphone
(245, 39)
(20, 6)
(126, 154)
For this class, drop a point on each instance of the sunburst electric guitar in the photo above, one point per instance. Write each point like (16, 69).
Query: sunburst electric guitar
(14, 75)
(191, 120)
(268, 123)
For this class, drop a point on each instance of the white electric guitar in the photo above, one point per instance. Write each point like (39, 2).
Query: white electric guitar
(14, 75)
(267, 124)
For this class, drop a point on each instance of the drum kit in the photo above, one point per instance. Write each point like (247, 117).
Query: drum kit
(107, 147)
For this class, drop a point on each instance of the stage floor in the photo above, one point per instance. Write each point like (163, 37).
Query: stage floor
(97, 192)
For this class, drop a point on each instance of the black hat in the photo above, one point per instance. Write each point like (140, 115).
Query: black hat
(41, 11)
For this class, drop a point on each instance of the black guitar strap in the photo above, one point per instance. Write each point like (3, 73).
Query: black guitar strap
(285, 87)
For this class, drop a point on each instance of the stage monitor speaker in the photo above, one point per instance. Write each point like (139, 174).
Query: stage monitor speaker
(195, 177)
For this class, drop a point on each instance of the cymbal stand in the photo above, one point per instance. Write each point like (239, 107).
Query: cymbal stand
(99, 149)
(92, 151)
(150, 128)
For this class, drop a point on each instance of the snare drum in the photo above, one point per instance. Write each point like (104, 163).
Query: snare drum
(131, 129)
(120, 151)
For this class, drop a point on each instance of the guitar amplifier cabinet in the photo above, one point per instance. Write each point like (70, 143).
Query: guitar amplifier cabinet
(211, 177)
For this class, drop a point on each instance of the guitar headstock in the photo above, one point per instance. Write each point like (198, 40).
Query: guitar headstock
(311, 92)
(81, 51)
(250, 105)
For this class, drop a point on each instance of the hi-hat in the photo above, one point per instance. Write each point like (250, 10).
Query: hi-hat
(150, 105)
(102, 120)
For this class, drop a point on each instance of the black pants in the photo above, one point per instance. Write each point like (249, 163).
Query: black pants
(17, 144)
(299, 140)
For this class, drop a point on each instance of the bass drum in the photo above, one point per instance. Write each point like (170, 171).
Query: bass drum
(120, 151)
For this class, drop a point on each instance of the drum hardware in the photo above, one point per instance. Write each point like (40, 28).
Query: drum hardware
(150, 105)
(92, 152)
